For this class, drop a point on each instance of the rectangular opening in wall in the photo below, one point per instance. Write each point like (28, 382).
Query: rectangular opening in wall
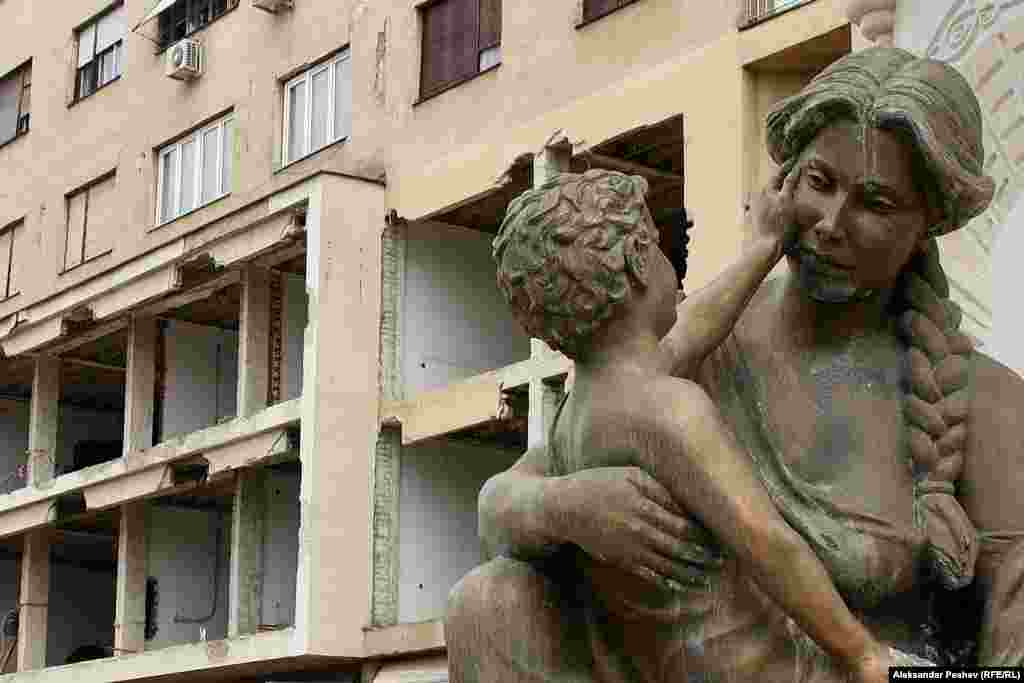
(197, 365)
(15, 404)
(91, 422)
(188, 540)
(280, 556)
(438, 539)
(455, 322)
(83, 576)
(10, 552)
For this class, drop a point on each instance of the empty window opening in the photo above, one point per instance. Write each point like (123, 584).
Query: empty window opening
(83, 578)
(15, 404)
(10, 551)
(281, 546)
(188, 539)
(438, 537)
(197, 370)
(456, 322)
(91, 412)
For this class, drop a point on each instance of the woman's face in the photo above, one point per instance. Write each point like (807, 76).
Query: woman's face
(861, 217)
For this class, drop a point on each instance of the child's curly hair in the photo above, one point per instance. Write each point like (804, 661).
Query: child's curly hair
(562, 254)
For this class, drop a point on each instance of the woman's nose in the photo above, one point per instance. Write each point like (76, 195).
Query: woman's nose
(828, 228)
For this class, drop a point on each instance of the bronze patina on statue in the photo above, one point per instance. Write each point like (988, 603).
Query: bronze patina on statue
(792, 480)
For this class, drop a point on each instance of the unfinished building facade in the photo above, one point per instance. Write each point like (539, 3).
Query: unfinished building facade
(255, 368)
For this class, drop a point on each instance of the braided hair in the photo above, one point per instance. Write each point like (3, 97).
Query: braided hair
(928, 104)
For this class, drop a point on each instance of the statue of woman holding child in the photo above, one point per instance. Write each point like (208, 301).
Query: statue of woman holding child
(888, 443)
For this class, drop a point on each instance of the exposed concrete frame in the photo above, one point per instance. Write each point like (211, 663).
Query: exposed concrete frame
(387, 456)
(469, 402)
(387, 474)
(254, 341)
(33, 605)
(130, 609)
(248, 531)
(43, 420)
(238, 443)
(140, 384)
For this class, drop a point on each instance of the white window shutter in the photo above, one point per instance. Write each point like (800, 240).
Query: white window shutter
(86, 45)
(110, 29)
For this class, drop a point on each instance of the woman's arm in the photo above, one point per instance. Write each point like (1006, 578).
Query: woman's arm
(992, 492)
(709, 314)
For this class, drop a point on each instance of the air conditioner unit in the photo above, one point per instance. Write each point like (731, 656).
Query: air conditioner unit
(185, 60)
(272, 5)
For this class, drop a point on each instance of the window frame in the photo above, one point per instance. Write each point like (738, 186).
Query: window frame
(22, 122)
(426, 6)
(95, 63)
(196, 136)
(190, 12)
(5, 278)
(68, 197)
(330, 64)
(586, 20)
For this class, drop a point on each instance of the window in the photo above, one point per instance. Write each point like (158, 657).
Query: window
(185, 17)
(318, 107)
(15, 89)
(461, 38)
(195, 170)
(8, 238)
(595, 9)
(99, 52)
(90, 219)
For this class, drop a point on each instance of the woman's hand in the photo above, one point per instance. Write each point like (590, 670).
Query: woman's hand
(775, 209)
(623, 517)
(1002, 636)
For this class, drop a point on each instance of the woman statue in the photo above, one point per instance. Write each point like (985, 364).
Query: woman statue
(881, 436)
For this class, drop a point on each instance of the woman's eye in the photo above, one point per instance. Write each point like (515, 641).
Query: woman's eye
(817, 181)
(880, 205)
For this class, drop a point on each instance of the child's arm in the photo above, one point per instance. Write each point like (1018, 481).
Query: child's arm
(708, 315)
(683, 443)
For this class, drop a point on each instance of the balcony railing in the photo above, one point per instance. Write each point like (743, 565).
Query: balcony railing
(755, 11)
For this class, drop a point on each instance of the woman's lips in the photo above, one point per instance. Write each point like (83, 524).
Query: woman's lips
(820, 263)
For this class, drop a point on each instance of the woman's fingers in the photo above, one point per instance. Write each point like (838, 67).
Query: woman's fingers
(790, 182)
(688, 547)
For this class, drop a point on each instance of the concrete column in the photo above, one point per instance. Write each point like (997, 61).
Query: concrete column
(386, 479)
(875, 18)
(140, 385)
(43, 421)
(553, 159)
(254, 342)
(130, 610)
(35, 594)
(248, 530)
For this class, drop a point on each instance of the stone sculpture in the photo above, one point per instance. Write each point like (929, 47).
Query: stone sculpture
(881, 437)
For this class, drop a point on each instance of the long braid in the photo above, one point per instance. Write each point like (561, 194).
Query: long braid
(936, 410)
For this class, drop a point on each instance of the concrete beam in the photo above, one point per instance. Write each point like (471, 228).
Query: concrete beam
(469, 402)
(248, 531)
(140, 384)
(254, 341)
(404, 639)
(33, 606)
(130, 609)
(43, 420)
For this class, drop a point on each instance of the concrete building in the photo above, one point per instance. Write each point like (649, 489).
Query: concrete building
(254, 366)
